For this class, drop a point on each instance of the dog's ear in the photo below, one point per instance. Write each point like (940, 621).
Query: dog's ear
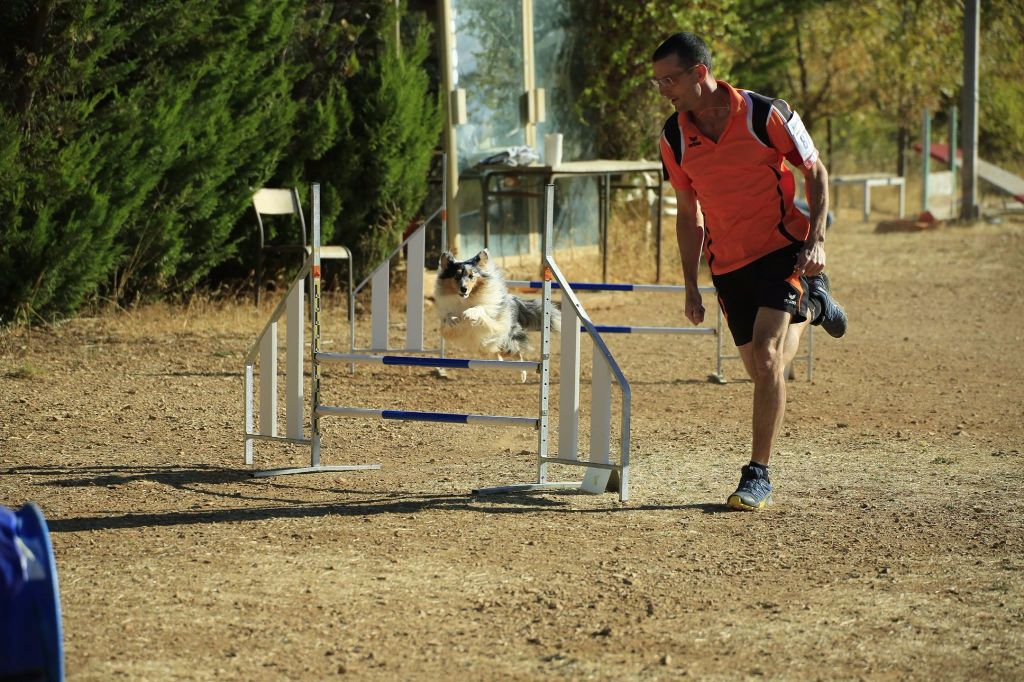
(445, 260)
(482, 258)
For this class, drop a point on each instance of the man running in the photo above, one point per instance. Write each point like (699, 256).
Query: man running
(723, 151)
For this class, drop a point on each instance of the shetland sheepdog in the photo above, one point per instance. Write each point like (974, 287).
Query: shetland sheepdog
(478, 313)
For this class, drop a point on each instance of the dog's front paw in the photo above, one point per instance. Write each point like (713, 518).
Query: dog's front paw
(475, 315)
(450, 320)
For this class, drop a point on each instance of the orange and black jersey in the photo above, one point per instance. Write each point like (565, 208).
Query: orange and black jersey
(744, 187)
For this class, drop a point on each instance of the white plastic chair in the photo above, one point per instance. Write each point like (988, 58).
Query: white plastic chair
(268, 201)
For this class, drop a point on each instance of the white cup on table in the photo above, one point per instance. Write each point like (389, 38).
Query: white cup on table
(553, 149)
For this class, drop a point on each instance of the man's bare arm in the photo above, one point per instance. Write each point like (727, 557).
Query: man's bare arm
(811, 260)
(690, 237)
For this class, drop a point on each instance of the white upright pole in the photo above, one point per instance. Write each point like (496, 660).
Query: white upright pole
(444, 202)
(248, 414)
(268, 382)
(294, 380)
(596, 480)
(569, 386)
(601, 410)
(379, 296)
(545, 338)
(450, 84)
(444, 218)
(314, 334)
(414, 273)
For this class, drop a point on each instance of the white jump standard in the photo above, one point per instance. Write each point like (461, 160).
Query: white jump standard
(266, 349)
(601, 474)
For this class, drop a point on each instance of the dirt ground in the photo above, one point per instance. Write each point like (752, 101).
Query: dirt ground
(894, 550)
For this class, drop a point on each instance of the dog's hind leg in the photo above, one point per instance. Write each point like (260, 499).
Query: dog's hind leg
(522, 375)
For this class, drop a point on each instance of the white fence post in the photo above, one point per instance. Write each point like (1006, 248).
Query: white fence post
(294, 380)
(569, 386)
(414, 272)
(379, 296)
(248, 413)
(268, 382)
(596, 480)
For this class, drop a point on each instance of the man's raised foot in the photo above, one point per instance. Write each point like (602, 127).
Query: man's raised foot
(832, 317)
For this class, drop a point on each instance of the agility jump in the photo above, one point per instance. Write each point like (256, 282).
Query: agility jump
(601, 474)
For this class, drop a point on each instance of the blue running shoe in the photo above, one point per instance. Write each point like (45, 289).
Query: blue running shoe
(755, 491)
(832, 317)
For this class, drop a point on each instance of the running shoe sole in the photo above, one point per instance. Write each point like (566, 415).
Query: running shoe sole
(736, 502)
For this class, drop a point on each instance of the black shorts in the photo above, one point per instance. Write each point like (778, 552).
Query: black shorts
(768, 282)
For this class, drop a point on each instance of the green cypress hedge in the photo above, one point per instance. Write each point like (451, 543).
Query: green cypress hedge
(133, 134)
(60, 220)
(395, 130)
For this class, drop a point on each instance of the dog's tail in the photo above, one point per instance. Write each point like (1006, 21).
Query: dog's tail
(530, 314)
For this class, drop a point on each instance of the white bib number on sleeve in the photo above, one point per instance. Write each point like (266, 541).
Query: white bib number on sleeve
(802, 140)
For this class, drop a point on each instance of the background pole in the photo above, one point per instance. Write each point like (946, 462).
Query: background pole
(969, 180)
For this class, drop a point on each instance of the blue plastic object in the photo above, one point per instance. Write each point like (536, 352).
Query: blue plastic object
(31, 638)
(13, 571)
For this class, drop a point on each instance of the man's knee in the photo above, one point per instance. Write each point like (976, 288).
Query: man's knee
(767, 358)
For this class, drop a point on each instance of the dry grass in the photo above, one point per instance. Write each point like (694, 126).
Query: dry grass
(26, 371)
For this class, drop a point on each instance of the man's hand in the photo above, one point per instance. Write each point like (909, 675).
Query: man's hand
(811, 259)
(694, 306)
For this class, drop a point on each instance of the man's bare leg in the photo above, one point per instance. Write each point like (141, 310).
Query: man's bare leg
(793, 336)
(774, 346)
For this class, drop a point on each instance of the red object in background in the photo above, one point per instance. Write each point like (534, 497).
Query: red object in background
(413, 224)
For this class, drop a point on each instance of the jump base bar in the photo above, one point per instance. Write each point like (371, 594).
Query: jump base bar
(266, 473)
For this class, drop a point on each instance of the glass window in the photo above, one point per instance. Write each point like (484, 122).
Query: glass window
(488, 65)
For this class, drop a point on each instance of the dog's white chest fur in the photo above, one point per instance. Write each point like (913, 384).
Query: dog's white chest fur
(478, 322)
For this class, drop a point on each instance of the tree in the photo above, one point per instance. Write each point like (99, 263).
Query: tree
(57, 237)
(136, 134)
(381, 175)
(916, 55)
(792, 50)
(1001, 108)
(217, 87)
(618, 100)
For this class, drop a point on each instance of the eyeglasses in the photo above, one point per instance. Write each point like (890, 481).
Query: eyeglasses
(669, 81)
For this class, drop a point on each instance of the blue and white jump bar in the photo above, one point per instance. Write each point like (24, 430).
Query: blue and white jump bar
(613, 329)
(412, 361)
(411, 416)
(604, 286)
(631, 329)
